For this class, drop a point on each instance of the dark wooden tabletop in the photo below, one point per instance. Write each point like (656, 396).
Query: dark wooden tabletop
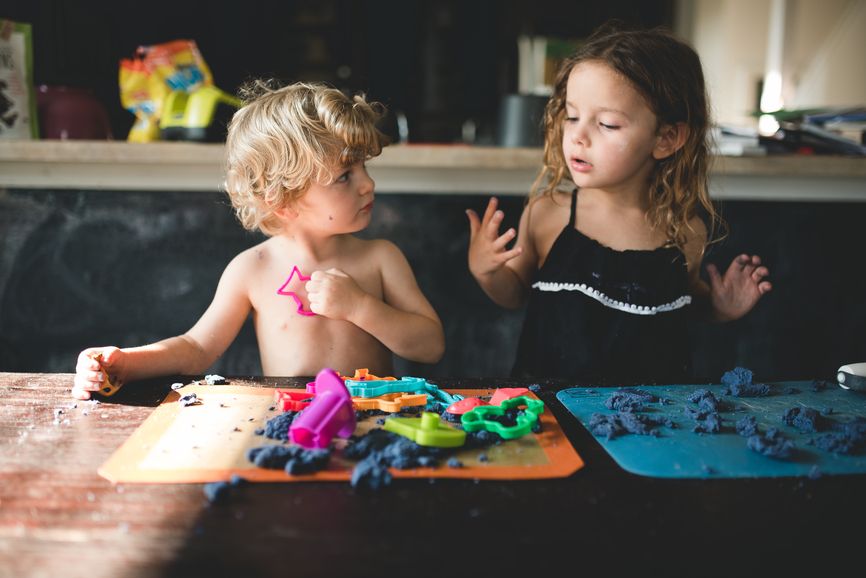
(59, 518)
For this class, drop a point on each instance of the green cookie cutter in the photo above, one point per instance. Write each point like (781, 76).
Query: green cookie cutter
(426, 430)
(476, 419)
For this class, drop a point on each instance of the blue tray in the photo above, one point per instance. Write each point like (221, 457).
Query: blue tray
(681, 453)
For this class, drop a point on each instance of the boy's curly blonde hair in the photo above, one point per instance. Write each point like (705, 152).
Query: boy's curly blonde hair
(284, 139)
(668, 74)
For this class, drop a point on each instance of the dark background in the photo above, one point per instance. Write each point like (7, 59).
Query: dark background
(439, 62)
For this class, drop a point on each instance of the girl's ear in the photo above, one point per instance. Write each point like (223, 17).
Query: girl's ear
(670, 139)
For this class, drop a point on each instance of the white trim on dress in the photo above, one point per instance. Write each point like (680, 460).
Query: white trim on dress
(613, 303)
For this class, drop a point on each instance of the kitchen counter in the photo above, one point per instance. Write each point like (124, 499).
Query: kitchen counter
(179, 166)
(59, 518)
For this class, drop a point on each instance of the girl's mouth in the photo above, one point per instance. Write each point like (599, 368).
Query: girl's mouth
(580, 165)
(368, 207)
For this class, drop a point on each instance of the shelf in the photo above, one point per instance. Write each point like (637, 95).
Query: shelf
(174, 166)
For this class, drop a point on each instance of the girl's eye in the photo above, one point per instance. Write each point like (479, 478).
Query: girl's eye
(571, 119)
(609, 126)
(343, 178)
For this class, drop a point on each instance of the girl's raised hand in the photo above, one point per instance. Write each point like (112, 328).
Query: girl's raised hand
(734, 294)
(487, 248)
(95, 364)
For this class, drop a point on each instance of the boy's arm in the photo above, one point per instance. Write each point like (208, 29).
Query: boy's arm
(190, 353)
(503, 274)
(403, 320)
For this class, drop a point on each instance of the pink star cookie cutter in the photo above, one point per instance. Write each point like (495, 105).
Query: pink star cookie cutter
(292, 294)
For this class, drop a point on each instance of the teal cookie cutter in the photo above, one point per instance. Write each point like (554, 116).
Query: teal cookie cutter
(426, 430)
(476, 419)
(376, 388)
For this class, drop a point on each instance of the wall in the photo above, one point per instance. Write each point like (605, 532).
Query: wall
(822, 58)
(84, 268)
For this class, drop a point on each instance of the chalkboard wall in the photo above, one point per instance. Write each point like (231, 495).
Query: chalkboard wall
(83, 268)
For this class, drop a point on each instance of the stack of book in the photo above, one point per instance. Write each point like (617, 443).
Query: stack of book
(838, 131)
(735, 141)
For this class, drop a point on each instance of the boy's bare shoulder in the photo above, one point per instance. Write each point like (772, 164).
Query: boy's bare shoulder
(375, 247)
(254, 258)
(378, 253)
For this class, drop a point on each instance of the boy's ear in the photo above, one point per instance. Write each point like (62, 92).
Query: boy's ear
(287, 212)
(670, 139)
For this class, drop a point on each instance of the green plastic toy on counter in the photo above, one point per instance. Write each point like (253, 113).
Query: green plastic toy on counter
(201, 115)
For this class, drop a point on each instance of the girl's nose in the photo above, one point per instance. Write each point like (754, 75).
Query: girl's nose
(579, 134)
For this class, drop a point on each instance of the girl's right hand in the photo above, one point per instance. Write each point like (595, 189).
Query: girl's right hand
(487, 248)
(94, 365)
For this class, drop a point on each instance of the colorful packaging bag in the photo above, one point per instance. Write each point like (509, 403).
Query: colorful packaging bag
(18, 118)
(148, 78)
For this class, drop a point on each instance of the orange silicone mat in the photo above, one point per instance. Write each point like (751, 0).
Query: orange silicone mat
(209, 442)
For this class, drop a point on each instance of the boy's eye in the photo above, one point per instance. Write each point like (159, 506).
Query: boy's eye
(571, 119)
(609, 126)
(343, 178)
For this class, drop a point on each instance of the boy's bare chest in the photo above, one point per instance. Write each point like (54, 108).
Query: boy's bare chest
(280, 291)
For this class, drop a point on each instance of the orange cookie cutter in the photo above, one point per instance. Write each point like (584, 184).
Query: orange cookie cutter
(390, 402)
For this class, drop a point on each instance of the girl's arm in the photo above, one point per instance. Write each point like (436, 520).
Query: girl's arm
(403, 320)
(726, 297)
(190, 353)
(503, 274)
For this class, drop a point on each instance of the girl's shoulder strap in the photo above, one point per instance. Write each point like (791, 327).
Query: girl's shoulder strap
(572, 220)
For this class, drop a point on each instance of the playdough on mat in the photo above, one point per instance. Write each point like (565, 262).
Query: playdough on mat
(796, 428)
(211, 441)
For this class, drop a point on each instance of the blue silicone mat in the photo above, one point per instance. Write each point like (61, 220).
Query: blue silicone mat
(679, 452)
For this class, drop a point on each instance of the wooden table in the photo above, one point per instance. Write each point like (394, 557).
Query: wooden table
(59, 518)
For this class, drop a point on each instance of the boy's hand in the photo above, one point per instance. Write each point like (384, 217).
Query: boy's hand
(93, 366)
(487, 248)
(743, 284)
(334, 294)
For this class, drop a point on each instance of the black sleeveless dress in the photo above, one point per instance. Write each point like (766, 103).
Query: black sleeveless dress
(603, 316)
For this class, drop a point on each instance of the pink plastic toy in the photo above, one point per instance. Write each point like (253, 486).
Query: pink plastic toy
(330, 413)
(464, 405)
(504, 393)
(292, 294)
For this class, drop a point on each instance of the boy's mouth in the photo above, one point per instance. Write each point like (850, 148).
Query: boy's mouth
(368, 207)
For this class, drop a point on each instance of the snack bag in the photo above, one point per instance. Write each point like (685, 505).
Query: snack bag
(154, 72)
(18, 118)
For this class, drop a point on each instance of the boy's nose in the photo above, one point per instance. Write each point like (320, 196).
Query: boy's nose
(368, 184)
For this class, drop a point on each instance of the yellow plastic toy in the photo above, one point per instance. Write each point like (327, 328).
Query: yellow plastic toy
(426, 430)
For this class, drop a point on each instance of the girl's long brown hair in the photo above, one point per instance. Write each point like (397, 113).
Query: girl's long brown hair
(667, 73)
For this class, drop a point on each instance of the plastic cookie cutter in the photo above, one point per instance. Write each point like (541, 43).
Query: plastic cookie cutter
(376, 388)
(292, 399)
(426, 430)
(476, 419)
(440, 395)
(329, 414)
(363, 374)
(108, 387)
(390, 402)
(504, 393)
(292, 294)
(466, 404)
